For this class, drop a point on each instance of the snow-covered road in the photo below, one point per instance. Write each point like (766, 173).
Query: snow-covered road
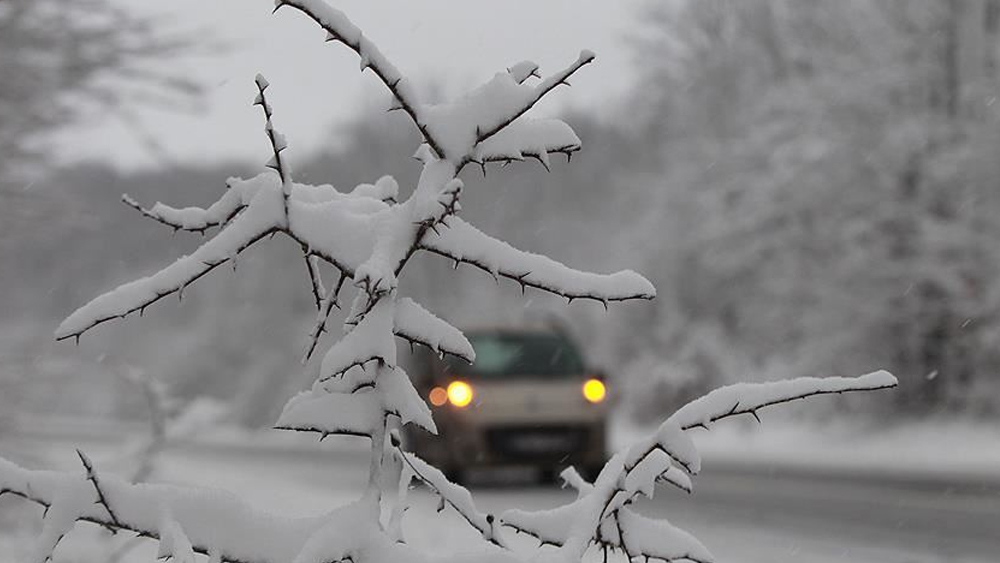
(742, 515)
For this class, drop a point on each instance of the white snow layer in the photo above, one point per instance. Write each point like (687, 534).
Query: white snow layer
(417, 324)
(264, 214)
(464, 243)
(370, 340)
(455, 495)
(602, 508)
(356, 404)
(478, 115)
(336, 226)
(748, 397)
(528, 137)
(209, 518)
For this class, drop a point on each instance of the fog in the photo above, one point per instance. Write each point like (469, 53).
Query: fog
(812, 186)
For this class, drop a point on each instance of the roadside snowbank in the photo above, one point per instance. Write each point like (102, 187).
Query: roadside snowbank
(953, 450)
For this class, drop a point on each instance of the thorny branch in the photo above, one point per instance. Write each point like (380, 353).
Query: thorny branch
(441, 182)
(325, 307)
(160, 218)
(523, 279)
(315, 279)
(140, 308)
(277, 140)
(139, 531)
(487, 529)
(101, 499)
(736, 410)
(338, 28)
(540, 90)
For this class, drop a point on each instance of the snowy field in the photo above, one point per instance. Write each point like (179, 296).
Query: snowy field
(754, 503)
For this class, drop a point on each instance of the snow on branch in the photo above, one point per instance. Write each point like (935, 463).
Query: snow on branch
(328, 414)
(657, 539)
(419, 326)
(340, 28)
(600, 515)
(485, 130)
(480, 114)
(356, 404)
(462, 242)
(400, 230)
(263, 217)
(326, 306)
(368, 236)
(385, 189)
(327, 224)
(411, 322)
(276, 139)
(534, 138)
(748, 398)
(370, 340)
(456, 496)
(602, 510)
(101, 499)
(192, 219)
(212, 521)
(319, 292)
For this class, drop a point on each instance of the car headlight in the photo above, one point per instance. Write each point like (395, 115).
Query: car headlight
(459, 393)
(594, 391)
(438, 396)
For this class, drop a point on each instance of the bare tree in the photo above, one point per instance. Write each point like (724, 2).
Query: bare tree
(837, 196)
(367, 236)
(65, 58)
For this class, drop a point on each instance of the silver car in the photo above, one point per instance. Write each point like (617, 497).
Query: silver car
(528, 400)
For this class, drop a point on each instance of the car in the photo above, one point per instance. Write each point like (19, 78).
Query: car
(529, 399)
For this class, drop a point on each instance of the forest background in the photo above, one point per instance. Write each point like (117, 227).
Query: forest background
(813, 186)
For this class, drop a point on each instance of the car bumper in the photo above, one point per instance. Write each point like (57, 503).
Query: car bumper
(550, 446)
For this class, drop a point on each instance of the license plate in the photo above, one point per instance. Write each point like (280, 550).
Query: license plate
(538, 442)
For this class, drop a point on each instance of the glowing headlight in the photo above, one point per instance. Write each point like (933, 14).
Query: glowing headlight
(438, 396)
(594, 390)
(459, 393)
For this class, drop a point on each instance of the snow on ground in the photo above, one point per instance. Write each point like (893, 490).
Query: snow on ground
(292, 477)
(932, 449)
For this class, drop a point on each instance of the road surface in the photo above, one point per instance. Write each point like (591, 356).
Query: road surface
(746, 515)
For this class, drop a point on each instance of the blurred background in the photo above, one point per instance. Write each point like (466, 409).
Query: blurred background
(812, 185)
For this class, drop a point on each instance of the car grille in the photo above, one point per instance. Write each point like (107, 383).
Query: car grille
(548, 442)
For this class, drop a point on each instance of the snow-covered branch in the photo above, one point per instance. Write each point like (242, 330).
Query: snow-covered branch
(260, 219)
(748, 398)
(601, 512)
(364, 343)
(367, 236)
(327, 224)
(463, 243)
(339, 28)
(357, 404)
(528, 138)
(456, 496)
(315, 280)
(485, 130)
(193, 219)
(276, 139)
(326, 306)
(419, 326)
(214, 521)
(467, 126)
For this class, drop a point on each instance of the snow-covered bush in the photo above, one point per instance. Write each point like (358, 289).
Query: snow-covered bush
(366, 236)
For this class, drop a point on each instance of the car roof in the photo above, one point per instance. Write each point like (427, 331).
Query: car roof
(513, 328)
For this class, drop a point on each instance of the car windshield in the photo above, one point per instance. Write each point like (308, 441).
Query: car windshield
(541, 355)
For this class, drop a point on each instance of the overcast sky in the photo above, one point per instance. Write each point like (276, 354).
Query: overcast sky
(448, 44)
